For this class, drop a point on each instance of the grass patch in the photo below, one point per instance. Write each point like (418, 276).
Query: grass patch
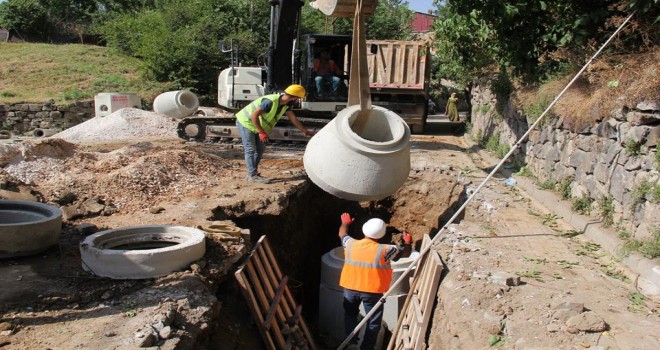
(524, 172)
(565, 187)
(548, 185)
(657, 159)
(637, 302)
(493, 144)
(633, 148)
(33, 72)
(483, 109)
(535, 275)
(606, 205)
(582, 205)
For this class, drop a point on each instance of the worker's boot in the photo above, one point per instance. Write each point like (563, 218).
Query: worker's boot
(258, 178)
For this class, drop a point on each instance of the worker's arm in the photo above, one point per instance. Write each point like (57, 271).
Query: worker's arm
(257, 124)
(298, 124)
(346, 221)
(395, 252)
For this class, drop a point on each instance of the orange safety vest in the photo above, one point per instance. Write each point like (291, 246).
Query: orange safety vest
(365, 268)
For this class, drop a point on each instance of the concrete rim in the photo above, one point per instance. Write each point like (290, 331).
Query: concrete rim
(400, 131)
(100, 257)
(27, 228)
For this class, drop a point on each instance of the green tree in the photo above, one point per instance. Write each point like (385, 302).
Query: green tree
(24, 18)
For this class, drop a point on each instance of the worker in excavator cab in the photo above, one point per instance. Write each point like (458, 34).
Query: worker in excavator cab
(367, 274)
(258, 118)
(326, 71)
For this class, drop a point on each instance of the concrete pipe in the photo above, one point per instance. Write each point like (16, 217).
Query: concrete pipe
(140, 252)
(44, 132)
(176, 104)
(28, 228)
(331, 295)
(360, 167)
(344, 8)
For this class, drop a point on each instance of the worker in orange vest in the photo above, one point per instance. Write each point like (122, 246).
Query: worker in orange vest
(367, 274)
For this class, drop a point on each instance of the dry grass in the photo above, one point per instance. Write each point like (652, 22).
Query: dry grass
(40, 72)
(609, 83)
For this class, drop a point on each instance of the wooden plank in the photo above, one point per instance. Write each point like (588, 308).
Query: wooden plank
(417, 308)
(287, 293)
(267, 286)
(274, 280)
(254, 306)
(263, 301)
(274, 304)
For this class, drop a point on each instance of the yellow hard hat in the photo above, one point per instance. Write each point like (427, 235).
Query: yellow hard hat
(296, 90)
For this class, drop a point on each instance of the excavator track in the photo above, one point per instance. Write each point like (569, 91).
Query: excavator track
(223, 129)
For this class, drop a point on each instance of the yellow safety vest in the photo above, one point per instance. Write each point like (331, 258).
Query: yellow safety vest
(365, 268)
(267, 120)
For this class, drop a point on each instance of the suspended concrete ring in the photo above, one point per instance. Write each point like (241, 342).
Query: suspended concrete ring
(27, 228)
(139, 252)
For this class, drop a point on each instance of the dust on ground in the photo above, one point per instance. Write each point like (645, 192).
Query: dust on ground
(572, 295)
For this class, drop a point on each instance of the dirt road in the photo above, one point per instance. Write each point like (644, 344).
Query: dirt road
(570, 293)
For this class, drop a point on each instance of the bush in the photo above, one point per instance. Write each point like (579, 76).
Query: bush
(565, 187)
(633, 148)
(23, 17)
(606, 204)
(582, 205)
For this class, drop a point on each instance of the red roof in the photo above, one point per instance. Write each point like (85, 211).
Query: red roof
(421, 22)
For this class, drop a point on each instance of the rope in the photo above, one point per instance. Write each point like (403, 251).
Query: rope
(471, 197)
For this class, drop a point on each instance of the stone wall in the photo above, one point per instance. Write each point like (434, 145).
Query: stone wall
(610, 160)
(21, 118)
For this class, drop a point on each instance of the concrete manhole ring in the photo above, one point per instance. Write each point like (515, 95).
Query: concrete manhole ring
(27, 228)
(139, 252)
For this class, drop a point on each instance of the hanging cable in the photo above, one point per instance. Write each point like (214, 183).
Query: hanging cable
(471, 197)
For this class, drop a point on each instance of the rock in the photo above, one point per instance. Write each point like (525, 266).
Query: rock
(165, 332)
(6, 326)
(71, 212)
(65, 198)
(22, 196)
(564, 311)
(553, 328)
(504, 279)
(648, 106)
(93, 206)
(587, 322)
(156, 210)
(107, 295)
(637, 118)
(148, 340)
(86, 229)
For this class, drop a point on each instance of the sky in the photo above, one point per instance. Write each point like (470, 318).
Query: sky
(420, 5)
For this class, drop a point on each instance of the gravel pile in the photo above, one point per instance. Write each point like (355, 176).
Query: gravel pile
(126, 123)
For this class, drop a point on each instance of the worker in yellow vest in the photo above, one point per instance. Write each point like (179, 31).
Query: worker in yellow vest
(257, 119)
(367, 274)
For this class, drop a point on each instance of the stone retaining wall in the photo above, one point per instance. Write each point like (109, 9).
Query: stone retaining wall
(614, 160)
(21, 118)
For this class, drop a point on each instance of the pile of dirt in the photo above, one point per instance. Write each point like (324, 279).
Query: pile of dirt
(131, 177)
(124, 124)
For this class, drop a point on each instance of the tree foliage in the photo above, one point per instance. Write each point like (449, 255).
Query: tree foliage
(529, 37)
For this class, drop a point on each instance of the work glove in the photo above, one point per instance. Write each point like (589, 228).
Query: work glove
(346, 219)
(309, 133)
(407, 238)
(263, 137)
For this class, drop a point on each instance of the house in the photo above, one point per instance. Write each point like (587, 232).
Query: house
(422, 22)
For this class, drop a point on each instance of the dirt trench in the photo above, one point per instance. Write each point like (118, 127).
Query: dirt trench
(306, 228)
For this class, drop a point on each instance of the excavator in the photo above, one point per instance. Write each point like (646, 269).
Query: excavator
(398, 76)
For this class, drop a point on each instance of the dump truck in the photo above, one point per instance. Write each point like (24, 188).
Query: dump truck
(398, 78)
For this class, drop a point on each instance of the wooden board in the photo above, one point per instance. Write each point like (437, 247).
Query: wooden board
(274, 310)
(414, 319)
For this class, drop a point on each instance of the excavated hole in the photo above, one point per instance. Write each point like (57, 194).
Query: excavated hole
(305, 230)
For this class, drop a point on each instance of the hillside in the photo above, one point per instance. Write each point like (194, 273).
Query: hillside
(66, 73)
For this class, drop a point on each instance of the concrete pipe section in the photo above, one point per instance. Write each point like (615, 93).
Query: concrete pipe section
(44, 132)
(140, 252)
(344, 8)
(176, 104)
(360, 167)
(331, 295)
(27, 228)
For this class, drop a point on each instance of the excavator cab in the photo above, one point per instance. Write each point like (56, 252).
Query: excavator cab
(325, 69)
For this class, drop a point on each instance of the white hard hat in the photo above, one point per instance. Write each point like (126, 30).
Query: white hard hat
(374, 228)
